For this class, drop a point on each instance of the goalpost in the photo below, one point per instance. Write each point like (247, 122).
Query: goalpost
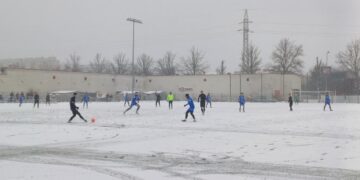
(313, 96)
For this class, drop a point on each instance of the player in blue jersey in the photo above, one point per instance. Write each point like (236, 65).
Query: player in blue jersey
(242, 102)
(134, 102)
(191, 108)
(327, 101)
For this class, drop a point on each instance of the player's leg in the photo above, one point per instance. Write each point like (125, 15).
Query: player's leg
(127, 109)
(186, 115)
(78, 113)
(192, 114)
(137, 109)
(330, 107)
(72, 117)
(243, 107)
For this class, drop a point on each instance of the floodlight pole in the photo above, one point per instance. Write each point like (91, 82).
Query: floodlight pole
(326, 76)
(133, 20)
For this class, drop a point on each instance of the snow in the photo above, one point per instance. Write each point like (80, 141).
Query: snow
(266, 142)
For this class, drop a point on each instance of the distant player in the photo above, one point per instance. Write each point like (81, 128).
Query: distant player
(126, 99)
(157, 100)
(208, 100)
(85, 100)
(170, 98)
(47, 99)
(290, 101)
(191, 108)
(36, 100)
(242, 102)
(296, 99)
(202, 99)
(74, 109)
(134, 102)
(21, 99)
(327, 101)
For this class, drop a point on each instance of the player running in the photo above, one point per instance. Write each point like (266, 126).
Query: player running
(242, 102)
(202, 99)
(74, 109)
(327, 101)
(134, 102)
(191, 108)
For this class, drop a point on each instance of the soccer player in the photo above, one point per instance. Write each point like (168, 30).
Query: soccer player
(126, 99)
(208, 100)
(327, 101)
(158, 98)
(134, 102)
(290, 101)
(85, 100)
(202, 99)
(74, 109)
(242, 102)
(191, 108)
(47, 99)
(21, 99)
(170, 99)
(36, 100)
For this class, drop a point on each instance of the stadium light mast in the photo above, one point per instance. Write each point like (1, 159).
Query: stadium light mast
(133, 20)
(327, 71)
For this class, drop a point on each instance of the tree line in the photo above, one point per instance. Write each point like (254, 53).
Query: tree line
(144, 65)
(286, 58)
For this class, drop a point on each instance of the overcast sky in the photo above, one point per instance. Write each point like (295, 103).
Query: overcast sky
(33, 28)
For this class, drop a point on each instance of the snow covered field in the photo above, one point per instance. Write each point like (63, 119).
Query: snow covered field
(266, 142)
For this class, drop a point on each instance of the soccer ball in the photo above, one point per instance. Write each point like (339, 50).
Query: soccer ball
(93, 119)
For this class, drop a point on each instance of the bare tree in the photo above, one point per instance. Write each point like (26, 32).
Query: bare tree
(350, 60)
(99, 64)
(221, 70)
(315, 74)
(120, 64)
(286, 57)
(193, 64)
(144, 65)
(251, 61)
(73, 63)
(166, 65)
(350, 57)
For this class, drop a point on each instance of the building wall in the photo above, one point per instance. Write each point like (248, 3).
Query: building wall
(226, 87)
(221, 87)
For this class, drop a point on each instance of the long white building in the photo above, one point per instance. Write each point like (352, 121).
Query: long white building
(221, 87)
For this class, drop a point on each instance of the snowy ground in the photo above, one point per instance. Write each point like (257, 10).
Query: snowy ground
(266, 142)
